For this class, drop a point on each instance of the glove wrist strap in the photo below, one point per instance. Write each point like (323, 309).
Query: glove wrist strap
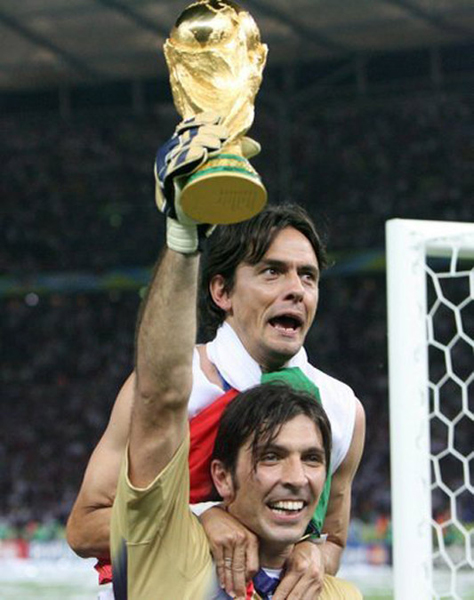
(181, 238)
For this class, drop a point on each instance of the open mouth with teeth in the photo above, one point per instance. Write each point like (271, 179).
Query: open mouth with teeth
(287, 507)
(286, 323)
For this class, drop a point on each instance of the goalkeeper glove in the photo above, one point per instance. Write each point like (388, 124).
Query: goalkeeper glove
(194, 141)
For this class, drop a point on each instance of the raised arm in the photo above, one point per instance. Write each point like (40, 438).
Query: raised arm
(167, 327)
(88, 528)
(89, 523)
(165, 341)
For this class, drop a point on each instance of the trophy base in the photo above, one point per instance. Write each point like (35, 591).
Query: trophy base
(225, 190)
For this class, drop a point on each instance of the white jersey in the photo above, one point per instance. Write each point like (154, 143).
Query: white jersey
(238, 368)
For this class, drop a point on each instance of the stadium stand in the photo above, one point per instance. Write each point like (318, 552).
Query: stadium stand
(77, 195)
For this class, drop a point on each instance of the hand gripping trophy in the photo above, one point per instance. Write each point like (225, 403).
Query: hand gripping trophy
(215, 59)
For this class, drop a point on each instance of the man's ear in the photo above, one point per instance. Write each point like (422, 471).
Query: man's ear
(219, 293)
(223, 480)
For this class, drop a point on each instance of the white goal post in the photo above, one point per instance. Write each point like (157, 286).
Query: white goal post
(431, 407)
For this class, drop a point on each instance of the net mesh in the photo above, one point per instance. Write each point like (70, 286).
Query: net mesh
(450, 338)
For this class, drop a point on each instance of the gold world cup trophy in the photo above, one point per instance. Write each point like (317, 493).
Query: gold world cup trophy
(215, 59)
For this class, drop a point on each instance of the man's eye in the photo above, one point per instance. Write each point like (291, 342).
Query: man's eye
(271, 271)
(314, 458)
(269, 457)
(310, 277)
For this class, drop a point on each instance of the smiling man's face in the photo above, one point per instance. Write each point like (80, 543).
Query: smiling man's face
(272, 304)
(276, 496)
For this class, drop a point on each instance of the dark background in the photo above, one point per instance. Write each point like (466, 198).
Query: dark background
(80, 234)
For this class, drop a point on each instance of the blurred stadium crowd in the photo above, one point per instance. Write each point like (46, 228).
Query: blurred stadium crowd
(77, 195)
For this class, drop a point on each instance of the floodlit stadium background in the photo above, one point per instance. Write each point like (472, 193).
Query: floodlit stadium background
(365, 114)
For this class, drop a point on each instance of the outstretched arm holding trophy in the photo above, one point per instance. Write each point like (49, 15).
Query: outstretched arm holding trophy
(203, 175)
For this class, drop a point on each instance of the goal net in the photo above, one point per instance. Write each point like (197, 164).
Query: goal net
(430, 284)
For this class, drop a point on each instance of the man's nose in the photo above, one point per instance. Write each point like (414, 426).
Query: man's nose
(294, 286)
(294, 473)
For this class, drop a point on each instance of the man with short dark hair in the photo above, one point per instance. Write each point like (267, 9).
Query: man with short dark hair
(262, 286)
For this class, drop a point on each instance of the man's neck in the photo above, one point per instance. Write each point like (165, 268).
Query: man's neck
(268, 364)
(271, 368)
(273, 556)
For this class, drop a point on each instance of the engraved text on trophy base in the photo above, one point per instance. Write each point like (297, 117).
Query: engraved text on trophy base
(223, 196)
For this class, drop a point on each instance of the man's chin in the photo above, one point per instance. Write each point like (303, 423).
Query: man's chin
(284, 534)
(286, 538)
(283, 350)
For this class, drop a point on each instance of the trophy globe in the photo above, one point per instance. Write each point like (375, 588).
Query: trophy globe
(216, 60)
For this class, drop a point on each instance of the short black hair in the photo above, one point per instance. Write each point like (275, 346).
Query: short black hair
(247, 242)
(258, 414)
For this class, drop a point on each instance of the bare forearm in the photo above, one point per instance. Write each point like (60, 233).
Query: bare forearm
(88, 533)
(167, 330)
(165, 342)
(332, 554)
